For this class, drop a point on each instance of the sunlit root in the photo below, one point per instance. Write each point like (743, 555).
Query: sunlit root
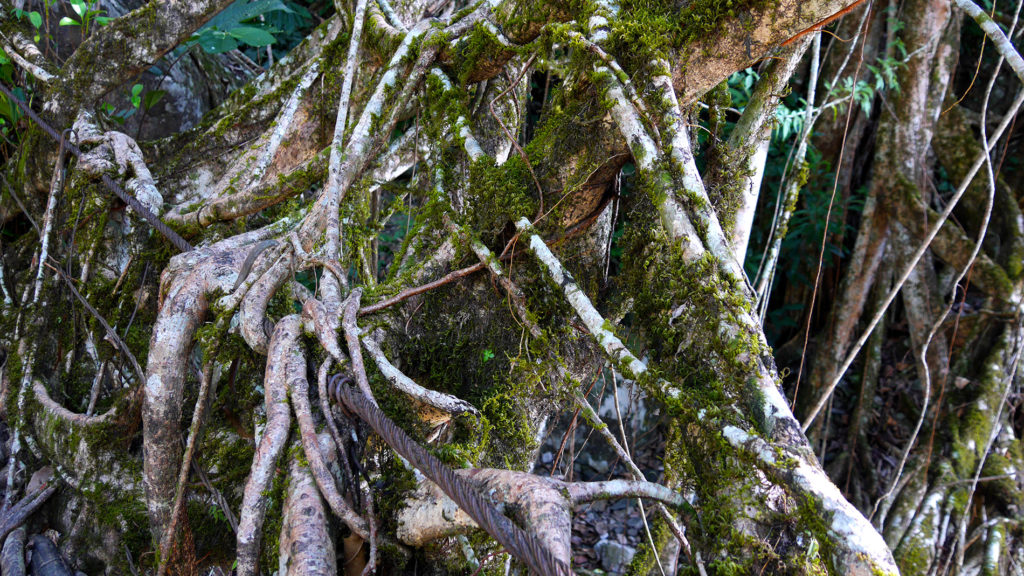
(298, 389)
(306, 547)
(252, 312)
(447, 404)
(539, 504)
(119, 152)
(283, 355)
(858, 547)
(185, 288)
(323, 325)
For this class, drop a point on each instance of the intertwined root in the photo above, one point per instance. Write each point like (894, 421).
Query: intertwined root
(240, 277)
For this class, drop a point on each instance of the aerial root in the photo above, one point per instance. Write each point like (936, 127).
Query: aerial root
(433, 401)
(339, 441)
(116, 151)
(186, 286)
(284, 353)
(859, 548)
(323, 325)
(170, 542)
(252, 312)
(540, 504)
(306, 548)
(299, 394)
(54, 410)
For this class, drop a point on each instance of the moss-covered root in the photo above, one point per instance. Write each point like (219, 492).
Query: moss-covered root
(736, 178)
(784, 458)
(306, 548)
(186, 286)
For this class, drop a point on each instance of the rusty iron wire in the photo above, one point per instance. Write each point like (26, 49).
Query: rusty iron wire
(526, 547)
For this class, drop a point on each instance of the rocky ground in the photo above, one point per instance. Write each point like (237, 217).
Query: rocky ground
(605, 533)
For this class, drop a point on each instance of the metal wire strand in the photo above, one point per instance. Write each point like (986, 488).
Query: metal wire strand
(527, 548)
(154, 221)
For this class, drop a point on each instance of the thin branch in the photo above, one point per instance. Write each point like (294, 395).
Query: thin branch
(999, 40)
(410, 292)
(167, 543)
(111, 333)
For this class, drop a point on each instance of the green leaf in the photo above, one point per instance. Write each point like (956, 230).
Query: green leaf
(216, 42)
(35, 18)
(242, 11)
(152, 97)
(65, 21)
(136, 98)
(255, 37)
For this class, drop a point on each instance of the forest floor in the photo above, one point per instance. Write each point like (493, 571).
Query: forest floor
(605, 534)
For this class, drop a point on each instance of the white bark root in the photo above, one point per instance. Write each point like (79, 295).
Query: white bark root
(298, 388)
(859, 548)
(306, 548)
(283, 357)
(446, 403)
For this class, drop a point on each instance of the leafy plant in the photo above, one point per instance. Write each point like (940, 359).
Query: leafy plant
(9, 112)
(87, 13)
(741, 86)
(138, 101)
(789, 121)
(35, 18)
(243, 23)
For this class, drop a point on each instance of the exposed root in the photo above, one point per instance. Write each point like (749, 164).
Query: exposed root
(539, 504)
(298, 389)
(12, 559)
(283, 357)
(185, 286)
(306, 547)
(447, 404)
(171, 541)
(252, 312)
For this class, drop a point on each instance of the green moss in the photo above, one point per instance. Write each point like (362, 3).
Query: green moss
(391, 492)
(914, 556)
(271, 534)
(648, 29)
(500, 194)
(644, 561)
(694, 334)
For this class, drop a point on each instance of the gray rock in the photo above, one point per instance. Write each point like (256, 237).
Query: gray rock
(599, 466)
(615, 557)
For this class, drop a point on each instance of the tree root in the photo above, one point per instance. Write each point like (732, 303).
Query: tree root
(306, 547)
(283, 356)
(298, 389)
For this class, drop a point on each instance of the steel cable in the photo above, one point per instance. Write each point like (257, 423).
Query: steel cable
(153, 220)
(527, 548)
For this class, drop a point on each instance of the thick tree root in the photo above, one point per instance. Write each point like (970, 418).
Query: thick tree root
(12, 559)
(284, 353)
(306, 547)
